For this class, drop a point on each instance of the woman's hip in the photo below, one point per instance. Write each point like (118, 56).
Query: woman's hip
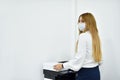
(88, 74)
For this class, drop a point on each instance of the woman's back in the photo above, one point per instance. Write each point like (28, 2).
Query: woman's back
(89, 60)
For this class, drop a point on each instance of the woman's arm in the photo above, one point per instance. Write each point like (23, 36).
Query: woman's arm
(77, 62)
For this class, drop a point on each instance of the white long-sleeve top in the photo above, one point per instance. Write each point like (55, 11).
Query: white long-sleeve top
(83, 57)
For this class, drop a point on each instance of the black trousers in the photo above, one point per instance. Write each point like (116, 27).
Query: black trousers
(88, 74)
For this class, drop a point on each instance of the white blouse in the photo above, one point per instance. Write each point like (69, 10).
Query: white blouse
(83, 57)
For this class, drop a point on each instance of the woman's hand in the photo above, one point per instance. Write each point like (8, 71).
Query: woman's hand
(58, 66)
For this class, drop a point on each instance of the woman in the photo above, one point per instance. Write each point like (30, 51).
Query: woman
(88, 56)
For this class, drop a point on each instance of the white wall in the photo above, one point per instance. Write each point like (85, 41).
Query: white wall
(107, 14)
(36, 31)
(33, 32)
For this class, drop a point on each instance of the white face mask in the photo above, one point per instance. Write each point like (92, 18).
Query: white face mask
(81, 26)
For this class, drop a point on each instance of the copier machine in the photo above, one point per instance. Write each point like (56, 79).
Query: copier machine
(51, 74)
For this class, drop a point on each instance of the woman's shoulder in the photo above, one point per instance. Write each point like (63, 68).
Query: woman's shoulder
(85, 35)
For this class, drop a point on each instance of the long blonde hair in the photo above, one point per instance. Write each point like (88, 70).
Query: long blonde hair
(91, 26)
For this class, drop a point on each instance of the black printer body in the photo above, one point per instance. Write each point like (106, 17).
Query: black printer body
(59, 75)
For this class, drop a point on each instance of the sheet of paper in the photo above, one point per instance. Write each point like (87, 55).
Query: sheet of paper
(47, 79)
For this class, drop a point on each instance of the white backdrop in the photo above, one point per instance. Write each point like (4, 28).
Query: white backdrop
(36, 31)
(33, 32)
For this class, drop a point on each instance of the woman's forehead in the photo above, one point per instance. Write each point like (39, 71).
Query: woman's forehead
(80, 18)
